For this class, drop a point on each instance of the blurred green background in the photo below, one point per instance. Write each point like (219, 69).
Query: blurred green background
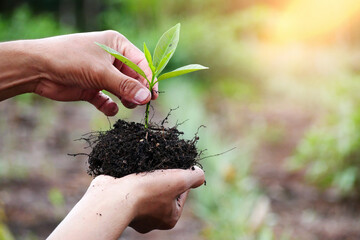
(283, 88)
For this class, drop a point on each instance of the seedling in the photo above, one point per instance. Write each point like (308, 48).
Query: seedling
(163, 52)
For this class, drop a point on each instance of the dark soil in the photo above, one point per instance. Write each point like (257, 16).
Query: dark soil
(130, 148)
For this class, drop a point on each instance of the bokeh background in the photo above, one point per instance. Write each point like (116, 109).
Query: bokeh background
(283, 88)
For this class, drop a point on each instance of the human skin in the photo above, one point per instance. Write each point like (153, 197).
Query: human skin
(72, 67)
(145, 201)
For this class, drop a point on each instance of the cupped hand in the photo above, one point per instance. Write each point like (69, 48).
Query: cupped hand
(144, 201)
(161, 197)
(156, 199)
(74, 68)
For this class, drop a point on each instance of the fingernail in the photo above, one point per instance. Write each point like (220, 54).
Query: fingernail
(142, 95)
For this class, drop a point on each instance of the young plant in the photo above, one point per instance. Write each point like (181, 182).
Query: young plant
(163, 52)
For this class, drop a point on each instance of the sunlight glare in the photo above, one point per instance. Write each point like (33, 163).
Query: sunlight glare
(304, 20)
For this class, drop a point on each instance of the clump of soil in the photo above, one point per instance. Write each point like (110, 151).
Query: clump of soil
(129, 148)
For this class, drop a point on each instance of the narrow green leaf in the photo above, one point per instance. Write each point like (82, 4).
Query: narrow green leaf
(163, 63)
(148, 58)
(123, 59)
(166, 44)
(182, 70)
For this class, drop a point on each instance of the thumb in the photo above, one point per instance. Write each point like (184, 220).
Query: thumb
(196, 177)
(183, 180)
(126, 88)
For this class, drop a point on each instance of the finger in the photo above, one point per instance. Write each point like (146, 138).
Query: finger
(128, 104)
(102, 102)
(135, 55)
(177, 181)
(57, 91)
(144, 65)
(60, 92)
(181, 199)
(126, 87)
(196, 177)
(131, 73)
(179, 206)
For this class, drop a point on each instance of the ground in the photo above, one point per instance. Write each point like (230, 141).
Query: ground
(300, 208)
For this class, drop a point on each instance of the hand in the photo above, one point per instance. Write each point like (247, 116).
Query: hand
(161, 196)
(146, 201)
(77, 69)
(72, 67)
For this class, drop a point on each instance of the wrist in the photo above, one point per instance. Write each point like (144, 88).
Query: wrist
(103, 213)
(109, 200)
(108, 209)
(21, 67)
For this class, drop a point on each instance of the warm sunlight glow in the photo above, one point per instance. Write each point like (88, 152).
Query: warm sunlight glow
(303, 20)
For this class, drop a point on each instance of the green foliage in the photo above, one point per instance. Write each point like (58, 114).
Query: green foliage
(23, 24)
(226, 42)
(13, 169)
(331, 150)
(180, 71)
(231, 38)
(5, 233)
(56, 197)
(149, 58)
(166, 47)
(237, 89)
(163, 52)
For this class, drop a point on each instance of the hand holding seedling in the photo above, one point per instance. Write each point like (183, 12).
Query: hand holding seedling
(145, 201)
(71, 68)
(163, 52)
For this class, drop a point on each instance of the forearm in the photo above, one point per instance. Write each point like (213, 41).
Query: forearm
(20, 67)
(95, 218)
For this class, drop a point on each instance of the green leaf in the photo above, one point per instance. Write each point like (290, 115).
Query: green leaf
(148, 58)
(163, 63)
(123, 59)
(182, 70)
(166, 44)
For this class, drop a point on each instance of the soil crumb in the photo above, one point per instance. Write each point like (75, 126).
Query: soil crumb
(130, 148)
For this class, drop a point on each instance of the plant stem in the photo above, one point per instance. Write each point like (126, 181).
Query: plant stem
(147, 115)
(146, 125)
